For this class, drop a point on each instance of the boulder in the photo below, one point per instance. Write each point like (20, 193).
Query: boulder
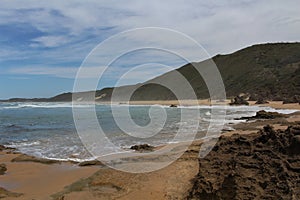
(295, 145)
(6, 194)
(90, 162)
(239, 100)
(268, 115)
(173, 106)
(2, 148)
(295, 130)
(142, 147)
(261, 101)
(2, 169)
(294, 99)
(263, 165)
(262, 114)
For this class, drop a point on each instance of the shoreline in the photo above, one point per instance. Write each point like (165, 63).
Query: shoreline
(202, 102)
(42, 181)
(276, 105)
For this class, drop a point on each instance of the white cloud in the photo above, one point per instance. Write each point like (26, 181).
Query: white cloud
(49, 41)
(221, 26)
(63, 72)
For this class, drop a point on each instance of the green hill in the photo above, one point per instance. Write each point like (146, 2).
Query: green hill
(270, 71)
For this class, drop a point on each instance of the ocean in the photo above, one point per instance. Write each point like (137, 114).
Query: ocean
(48, 130)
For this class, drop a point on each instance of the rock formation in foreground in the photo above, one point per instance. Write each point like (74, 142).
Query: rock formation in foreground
(265, 165)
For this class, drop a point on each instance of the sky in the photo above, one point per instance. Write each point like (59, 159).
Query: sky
(44, 43)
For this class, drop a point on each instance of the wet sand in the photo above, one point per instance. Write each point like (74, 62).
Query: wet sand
(36, 180)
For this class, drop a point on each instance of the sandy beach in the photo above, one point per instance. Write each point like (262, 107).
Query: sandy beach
(207, 102)
(67, 180)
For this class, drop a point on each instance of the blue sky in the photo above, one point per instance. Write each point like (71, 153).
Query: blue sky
(44, 43)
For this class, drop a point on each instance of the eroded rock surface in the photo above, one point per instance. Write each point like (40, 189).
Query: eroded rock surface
(265, 165)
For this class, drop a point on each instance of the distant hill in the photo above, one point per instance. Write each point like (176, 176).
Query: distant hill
(269, 71)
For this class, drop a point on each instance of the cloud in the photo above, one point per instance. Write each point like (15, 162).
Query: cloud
(49, 41)
(88, 72)
(62, 72)
(62, 33)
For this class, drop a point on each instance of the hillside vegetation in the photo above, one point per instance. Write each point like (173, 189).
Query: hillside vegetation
(269, 71)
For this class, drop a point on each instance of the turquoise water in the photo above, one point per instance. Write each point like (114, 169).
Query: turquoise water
(48, 130)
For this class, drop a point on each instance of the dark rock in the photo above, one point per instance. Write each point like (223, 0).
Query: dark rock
(6, 194)
(142, 147)
(294, 147)
(268, 115)
(294, 99)
(2, 169)
(295, 130)
(2, 148)
(268, 129)
(272, 156)
(263, 115)
(261, 101)
(173, 106)
(239, 100)
(89, 163)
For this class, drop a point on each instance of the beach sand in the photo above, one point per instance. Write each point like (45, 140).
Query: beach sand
(273, 104)
(36, 180)
(67, 180)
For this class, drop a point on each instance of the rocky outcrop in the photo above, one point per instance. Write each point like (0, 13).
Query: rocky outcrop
(261, 101)
(263, 115)
(264, 165)
(294, 99)
(142, 147)
(2, 169)
(6, 194)
(2, 147)
(239, 100)
(90, 162)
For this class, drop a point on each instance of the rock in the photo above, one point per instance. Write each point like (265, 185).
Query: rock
(294, 147)
(295, 130)
(2, 169)
(263, 165)
(2, 148)
(268, 115)
(90, 162)
(27, 158)
(268, 129)
(142, 147)
(261, 101)
(6, 194)
(294, 99)
(263, 115)
(173, 106)
(239, 100)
